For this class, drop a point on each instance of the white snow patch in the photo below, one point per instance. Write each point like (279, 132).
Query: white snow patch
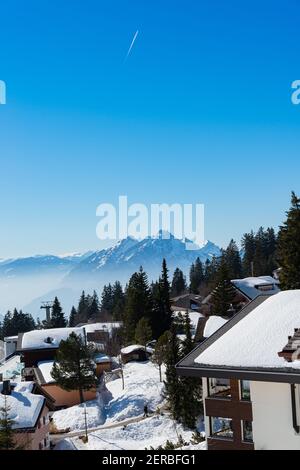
(46, 368)
(212, 325)
(37, 339)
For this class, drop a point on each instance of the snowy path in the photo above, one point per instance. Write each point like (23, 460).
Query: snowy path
(55, 438)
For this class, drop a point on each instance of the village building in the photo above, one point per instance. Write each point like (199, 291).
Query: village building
(29, 408)
(250, 371)
(136, 353)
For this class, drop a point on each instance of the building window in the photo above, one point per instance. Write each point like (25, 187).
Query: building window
(247, 431)
(221, 427)
(219, 388)
(245, 390)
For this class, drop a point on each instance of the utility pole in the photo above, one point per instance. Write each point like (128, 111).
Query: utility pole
(85, 424)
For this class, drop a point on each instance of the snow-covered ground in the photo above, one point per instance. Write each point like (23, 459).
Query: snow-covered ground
(152, 432)
(142, 387)
(116, 406)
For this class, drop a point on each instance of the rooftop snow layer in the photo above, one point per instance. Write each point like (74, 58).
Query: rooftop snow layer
(256, 339)
(135, 347)
(24, 407)
(249, 285)
(212, 325)
(46, 368)
(37, 339)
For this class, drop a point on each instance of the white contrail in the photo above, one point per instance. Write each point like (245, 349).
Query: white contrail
(132, 44)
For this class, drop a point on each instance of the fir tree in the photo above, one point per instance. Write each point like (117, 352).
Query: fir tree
(162, 314)
(224, 293)
(94, 307)
(160, 353)
(83, 306)
(107, 301)
(178, 283)
(289, 247)
(138, 303)
(196, 276)
(72, 317)
(58, 319)
(233, 261)
(173, 385)
(74, 368)
(187, 344)
(118, 301)
(143, 332)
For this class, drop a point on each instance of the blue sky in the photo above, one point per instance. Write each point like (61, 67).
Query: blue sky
(200, 112)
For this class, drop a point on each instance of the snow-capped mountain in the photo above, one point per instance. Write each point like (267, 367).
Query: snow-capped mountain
(25, 282)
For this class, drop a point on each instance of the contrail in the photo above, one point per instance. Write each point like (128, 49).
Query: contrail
(132, 44)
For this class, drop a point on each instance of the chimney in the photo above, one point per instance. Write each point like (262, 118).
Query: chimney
(6, 388)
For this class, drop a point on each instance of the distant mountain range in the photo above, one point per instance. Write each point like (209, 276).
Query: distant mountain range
(25, 282)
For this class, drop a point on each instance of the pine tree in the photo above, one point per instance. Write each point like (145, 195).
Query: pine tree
(72, 317)
(196, 276)
(107, 300)
(173, 385)
(143, 332)
(233, 261)
(73, 368)
(94, 307)
(58, 319)
(118, 301)
(138, 303)
(82, 309)
(248, 245)
(178, 283)
(162, 314)
(160, 353)
(224, 293)
(187, 344)
(289, 247)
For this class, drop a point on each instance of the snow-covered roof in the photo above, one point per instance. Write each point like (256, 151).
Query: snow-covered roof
(252, 287)
(213, 324)
(135, 347)
(46, 367)
(92, 327)
(24, 406)
(257, 338)
(38, 339)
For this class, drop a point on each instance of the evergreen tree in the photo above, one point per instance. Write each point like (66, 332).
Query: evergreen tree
(72, 317)
(173, 384)
(187, 344)
(162, 314)
(248, 245)
(138, 303)
(58, 319)
(143, 332)
(82, 310)
(160, 353)
(196, 276)
(16, 323)
(224, 293)
(233, 261)
(118, 301)
(178, 283)
(74, 368)
(289, 247)
(107, 301)
(94, 307)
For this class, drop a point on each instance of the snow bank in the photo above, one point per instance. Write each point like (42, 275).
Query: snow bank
(212, 325)
(74, 417)
(256, 340)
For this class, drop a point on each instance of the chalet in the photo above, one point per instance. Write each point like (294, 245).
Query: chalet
(186, 302)
(250, 371)
(41, 345)
(246, 290)
(28, 407)
(136, 353)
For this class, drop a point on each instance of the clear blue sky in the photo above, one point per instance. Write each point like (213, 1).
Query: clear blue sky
(200, 112)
